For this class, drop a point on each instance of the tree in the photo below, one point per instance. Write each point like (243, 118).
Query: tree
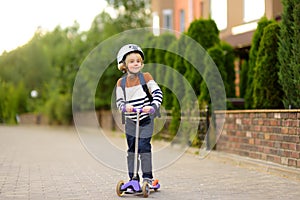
(162, 44)
(263, 22)
(131, 14)
(205, 32)
(267, 92)
(150, 53)
(191, 73)
(102, 27)
(177, 87)
(215, 53)
(229, 68)
(243, 78)
(169, 76)
(13, 101)
(289, 53)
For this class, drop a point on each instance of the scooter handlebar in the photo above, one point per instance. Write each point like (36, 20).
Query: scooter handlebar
(139, 110)
(133, 110)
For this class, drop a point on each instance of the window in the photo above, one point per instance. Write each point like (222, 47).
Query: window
(218, 9)
(167, 19)
(155, 24)
(201, 9)
(182, 21)
(253, 10)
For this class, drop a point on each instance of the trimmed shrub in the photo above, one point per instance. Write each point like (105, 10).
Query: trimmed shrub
(267, 92)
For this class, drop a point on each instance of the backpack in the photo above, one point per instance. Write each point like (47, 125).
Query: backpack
(145, 88)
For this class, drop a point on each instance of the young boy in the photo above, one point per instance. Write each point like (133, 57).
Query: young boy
(130, 59)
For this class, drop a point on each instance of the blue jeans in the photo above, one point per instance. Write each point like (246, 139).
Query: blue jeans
(144, 147)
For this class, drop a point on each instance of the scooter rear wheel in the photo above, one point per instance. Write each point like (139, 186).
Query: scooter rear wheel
(118, 188)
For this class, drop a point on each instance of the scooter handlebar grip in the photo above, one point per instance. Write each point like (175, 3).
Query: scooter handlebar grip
(152, 110)
(124, 109)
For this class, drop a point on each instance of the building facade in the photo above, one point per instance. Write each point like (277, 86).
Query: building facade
(236, 19)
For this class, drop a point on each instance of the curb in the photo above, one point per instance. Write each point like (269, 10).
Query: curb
(255, 164)
(240, 161)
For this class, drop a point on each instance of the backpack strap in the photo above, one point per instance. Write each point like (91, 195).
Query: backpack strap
(146, 90)
(144, 85)
(123, 84)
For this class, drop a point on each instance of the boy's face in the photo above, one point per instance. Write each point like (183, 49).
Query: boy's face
(134, 62)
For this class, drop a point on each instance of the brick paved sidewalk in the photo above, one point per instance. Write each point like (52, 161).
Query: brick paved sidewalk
(51, 163)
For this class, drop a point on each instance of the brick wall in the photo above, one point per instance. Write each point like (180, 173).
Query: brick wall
(270, 135)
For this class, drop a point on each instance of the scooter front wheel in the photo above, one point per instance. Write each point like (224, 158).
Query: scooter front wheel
(146, 189)
(118, 188)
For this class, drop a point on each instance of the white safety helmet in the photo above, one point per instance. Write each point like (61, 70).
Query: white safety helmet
(124, 51)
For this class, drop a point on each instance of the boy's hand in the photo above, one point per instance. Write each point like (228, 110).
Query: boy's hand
(129, 108)
(148, 109)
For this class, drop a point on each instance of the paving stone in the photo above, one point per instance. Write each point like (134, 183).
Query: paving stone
(39, 163)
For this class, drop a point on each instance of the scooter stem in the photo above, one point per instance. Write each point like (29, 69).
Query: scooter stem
(136, 145)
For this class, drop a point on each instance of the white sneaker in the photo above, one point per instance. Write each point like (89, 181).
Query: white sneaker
(129, 191)
(149, 181)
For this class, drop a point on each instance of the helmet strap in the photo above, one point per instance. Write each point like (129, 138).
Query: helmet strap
(131, 73)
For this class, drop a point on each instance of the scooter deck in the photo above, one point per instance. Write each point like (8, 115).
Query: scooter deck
(136, 188)
(133, 184)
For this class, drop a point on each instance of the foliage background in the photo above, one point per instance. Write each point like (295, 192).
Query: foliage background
(48, 63)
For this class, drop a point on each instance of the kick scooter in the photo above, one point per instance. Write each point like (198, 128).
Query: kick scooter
(134, 185)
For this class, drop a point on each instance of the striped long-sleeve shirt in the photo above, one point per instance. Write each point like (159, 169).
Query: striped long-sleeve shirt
(136, 96)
